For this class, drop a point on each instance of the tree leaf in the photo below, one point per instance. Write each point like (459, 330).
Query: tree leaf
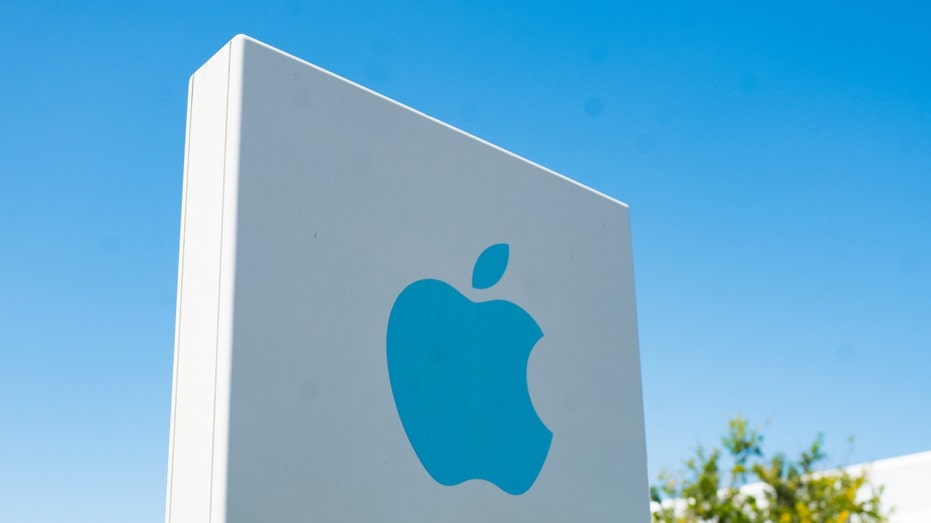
(789, 490)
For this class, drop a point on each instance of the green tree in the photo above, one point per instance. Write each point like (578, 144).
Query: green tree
(757, 489)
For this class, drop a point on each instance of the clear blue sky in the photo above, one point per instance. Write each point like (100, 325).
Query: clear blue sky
(777, 162)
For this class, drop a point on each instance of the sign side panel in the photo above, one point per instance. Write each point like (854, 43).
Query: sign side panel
(174, 379)
(226, 277)
(193, 408)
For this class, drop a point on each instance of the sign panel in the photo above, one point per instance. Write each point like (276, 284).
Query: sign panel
(382, 318)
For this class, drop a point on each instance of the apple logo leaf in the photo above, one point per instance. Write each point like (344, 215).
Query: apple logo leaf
(490, 266)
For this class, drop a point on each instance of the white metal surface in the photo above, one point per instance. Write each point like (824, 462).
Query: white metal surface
(310, 204)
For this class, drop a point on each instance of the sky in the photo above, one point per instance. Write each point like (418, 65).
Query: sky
(776, 160)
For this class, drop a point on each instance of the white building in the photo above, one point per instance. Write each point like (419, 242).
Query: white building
(907, 483)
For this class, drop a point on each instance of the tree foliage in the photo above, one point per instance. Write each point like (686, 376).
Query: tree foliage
(752, 488)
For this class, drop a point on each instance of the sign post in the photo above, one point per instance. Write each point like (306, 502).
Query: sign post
(382, 318)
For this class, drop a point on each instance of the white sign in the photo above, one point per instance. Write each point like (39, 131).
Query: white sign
(382, 318)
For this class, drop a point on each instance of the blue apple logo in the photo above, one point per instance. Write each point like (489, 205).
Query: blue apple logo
(458, 371)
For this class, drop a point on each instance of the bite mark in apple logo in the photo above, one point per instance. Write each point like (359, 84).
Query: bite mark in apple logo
(458, 372)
